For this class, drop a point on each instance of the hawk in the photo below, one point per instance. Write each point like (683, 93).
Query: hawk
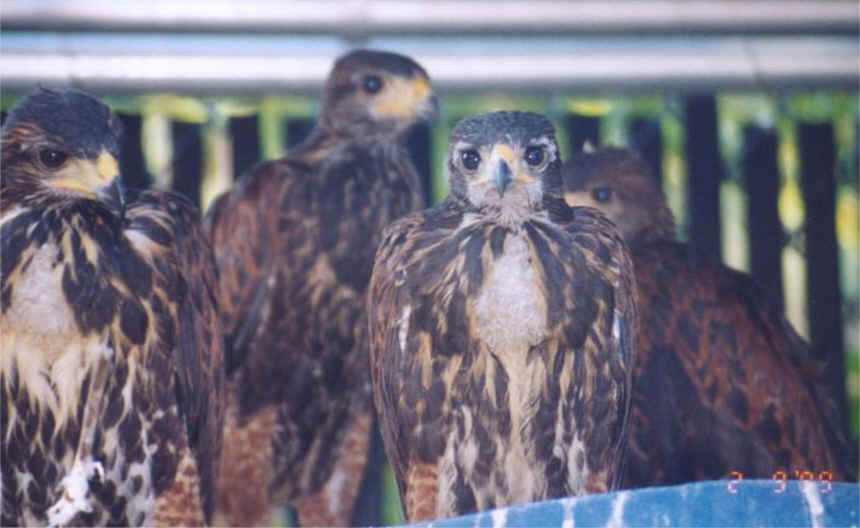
(111, 367)
(723, 383)
(502, 328)
(294, 244)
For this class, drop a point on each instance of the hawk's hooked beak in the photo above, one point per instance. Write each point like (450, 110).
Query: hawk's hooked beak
(113, 194)
(503, 177)
(428, 103)
(409, 98)
(505, 159)
(97, 179)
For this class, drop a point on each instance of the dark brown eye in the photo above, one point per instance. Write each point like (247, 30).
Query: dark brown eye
(52, 158)
(534, 156)
(371, 84)
(602, 194)
(471, 159)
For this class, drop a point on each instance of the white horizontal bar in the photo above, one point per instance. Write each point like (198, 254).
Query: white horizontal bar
(367, 17)
(725, 67)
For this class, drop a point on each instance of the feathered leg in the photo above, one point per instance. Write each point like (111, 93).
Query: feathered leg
(246, 467)
(333, 505)
(179, 505)
(422, 490)
(75, 486)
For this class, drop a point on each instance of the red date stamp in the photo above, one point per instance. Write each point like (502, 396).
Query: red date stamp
(780, 476)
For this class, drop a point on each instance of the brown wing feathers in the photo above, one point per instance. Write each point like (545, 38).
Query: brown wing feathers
(294, 244)
(723, 383)
(200, 360)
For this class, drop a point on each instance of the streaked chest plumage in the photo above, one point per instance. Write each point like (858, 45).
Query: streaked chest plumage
(500, 348)
(513, 360)
(41, 340)
(509, 308)
(59, 382)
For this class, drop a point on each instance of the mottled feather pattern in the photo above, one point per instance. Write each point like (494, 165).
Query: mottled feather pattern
(115, 383)
(723, 383)
(294, 244)
(200, 372)
(446, 397)
(738, 373)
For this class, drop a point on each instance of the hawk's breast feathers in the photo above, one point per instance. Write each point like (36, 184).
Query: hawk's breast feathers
(501, 347)
(111, 366)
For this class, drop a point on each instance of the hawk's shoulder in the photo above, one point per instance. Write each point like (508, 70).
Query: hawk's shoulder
(699, 312)
(186, 264)
(595, 239)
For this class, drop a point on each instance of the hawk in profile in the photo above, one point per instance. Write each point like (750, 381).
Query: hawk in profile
(111, 367)
(502, 328)
(294, 244)
(722, 382)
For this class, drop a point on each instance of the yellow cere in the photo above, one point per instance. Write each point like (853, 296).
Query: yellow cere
(87, 176)
(107, 167)
(506, 153)
(422, 88)
(392, 101)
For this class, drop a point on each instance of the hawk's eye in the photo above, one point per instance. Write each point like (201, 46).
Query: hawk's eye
(371, 84)
(52, 158)
(602, 194)
(471, 159)
(534, 156)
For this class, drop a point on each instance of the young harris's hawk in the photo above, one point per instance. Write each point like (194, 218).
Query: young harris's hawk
(111, 367)
(502, 332)
(722, 382)
(294, 243)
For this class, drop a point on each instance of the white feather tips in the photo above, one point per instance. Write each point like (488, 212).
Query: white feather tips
(76, 488)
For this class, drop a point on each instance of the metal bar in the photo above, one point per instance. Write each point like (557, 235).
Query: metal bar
(704, 173)
(366, 17)
(245, 137)
(646, 137)
(723, 67)
(582, 129)
(131, 164)
(187, 165)
(760, 170)
(816, 143)
(420, 145)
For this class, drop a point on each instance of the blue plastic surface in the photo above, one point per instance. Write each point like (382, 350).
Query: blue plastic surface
(702, 504)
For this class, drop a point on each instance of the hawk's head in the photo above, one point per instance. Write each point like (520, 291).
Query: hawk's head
(619, 183)
(504, 163)
(61, 145)
(372, 93)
